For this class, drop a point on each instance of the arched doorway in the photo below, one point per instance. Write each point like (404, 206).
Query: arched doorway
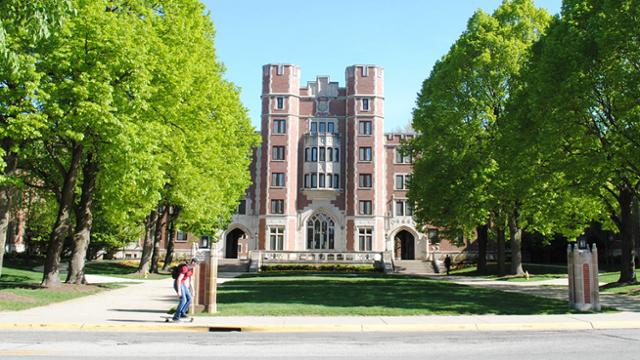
(405, 246)
(231, 243)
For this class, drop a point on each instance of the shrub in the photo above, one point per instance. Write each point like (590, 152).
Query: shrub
(319, 268)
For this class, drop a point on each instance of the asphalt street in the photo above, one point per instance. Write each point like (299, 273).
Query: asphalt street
(520, 345)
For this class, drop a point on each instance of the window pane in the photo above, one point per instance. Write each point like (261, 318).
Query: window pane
(330, 127)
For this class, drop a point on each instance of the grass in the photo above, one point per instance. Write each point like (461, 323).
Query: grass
(613, 287)
(290, 294)
(121, 269)
(537, 272)
(19, 290)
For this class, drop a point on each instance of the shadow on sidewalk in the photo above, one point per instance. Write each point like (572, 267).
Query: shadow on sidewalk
(141, 311)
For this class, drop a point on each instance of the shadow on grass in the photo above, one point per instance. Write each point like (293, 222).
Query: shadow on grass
(109, 268)
(371, 294)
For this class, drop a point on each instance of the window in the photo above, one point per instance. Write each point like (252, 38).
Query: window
(279, 126)
(365, 237)
(321, 182)
(322, 127)
(279, 103)
(323, 152)
(314, 127)
(336, 181)
(365, 104)
(433, 236)
(402, 181)
(365, 153)
(365, 207)
(314, 180)
(402, 158)
(306, 180)
(307, 154)
(204, 241)
(403, 208)
(242, 207)
(320, 232)
(331, 127)
(314, 154)
(365, 180)
(277, 179)
(277, 153)
(329, 154)
(277, 206)
(276, 238)
(364, 127)
(181, 236)
(336, 155)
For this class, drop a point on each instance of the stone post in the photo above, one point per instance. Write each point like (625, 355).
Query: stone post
(211, 305)
(582, 269)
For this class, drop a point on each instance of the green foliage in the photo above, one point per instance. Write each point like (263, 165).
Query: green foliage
(137, 87)
(459, 116)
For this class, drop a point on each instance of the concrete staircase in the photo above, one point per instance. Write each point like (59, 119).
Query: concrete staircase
(413, 267)
(233, 265)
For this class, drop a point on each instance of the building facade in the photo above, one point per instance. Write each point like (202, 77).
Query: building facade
(326, 179)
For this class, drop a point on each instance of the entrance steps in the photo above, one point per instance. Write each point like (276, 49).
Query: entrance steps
(233, 265)
(413, 267)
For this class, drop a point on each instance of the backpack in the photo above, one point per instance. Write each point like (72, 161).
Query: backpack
(175, 272)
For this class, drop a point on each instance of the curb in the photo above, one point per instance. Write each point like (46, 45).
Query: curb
(320, 328)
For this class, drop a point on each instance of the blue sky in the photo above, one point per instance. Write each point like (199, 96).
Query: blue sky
(406, 37)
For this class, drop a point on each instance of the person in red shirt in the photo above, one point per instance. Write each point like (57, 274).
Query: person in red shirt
(182, 286)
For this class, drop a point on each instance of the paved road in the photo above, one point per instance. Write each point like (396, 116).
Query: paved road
(549, 345)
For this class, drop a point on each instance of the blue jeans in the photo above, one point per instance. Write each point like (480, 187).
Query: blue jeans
(185, 300)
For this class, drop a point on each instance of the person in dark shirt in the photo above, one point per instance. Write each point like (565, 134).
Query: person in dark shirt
(447, 263)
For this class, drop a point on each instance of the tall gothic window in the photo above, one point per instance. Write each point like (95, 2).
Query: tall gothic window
(320, 232)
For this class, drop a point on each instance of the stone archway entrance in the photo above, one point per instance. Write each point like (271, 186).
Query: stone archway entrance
(231, 243)
(405, 246)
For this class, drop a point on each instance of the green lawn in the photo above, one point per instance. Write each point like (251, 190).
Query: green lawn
(122, 269)
(19, 290)
(611, 277)
(290, 294)
(537, 272)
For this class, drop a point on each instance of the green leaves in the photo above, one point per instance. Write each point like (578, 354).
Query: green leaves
(459, 114)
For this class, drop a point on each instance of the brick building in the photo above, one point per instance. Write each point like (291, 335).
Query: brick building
(328, 183)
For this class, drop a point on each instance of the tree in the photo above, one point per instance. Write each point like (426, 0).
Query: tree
(23, 25)
(458, 116)
(96, 79)
(583, 85)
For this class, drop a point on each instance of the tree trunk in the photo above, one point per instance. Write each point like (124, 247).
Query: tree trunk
(147, 247)
(627, 270)
(500, 244)
(635, 212)
(84, 220)
(483, 237)
(515, 235)
(160, 233)
(51, 276)
(6, 194)
(171, 239)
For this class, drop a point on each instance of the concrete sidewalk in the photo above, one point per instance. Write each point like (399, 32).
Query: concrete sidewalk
(140, 307)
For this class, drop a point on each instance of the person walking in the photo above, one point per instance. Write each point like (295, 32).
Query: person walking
(182, 286)
(447, 263)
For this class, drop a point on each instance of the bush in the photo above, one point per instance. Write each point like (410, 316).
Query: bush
(319, 268)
